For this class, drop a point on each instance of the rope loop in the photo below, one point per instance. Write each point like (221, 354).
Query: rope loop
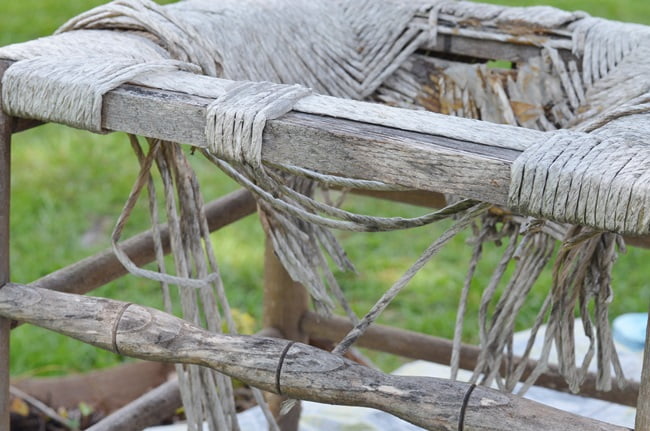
(236, 119)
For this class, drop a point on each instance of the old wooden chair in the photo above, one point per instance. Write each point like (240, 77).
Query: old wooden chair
(547, 144)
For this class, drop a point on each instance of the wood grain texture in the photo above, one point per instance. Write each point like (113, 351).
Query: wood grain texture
(324, 139)
(412, 149)
(415, 345)
(304, 373)
(285, 302)
(148, 410)
(642, 420)
(418, 150)
(475, 47)
(129, 411)
(5, 199)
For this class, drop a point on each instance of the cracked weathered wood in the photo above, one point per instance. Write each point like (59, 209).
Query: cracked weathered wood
(293, 369)
(334, 136)
(415, 345)
(284, 303)
(412, 149)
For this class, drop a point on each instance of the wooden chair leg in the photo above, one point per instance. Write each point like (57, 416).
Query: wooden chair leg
(285, 302)
(4, 373)
(5, 193)
(643, 403)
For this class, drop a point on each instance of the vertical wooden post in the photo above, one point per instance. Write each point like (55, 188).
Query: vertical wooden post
(642, 421)
(5, 193)
(285, 302)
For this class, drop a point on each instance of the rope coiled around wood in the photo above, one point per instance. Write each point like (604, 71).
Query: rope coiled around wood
(590, 179)
(71, 90)
(350, 49)
(234, 126)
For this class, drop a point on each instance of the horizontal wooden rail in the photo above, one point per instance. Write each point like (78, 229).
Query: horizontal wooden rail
(95, 271)
(413, 149)
(293, 369)
(415, 345)
(475, 47)
(340, 146)
(160, 402)
(493, 44)
(334, 136)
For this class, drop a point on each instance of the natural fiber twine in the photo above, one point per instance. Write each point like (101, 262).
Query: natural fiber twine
(594, 174)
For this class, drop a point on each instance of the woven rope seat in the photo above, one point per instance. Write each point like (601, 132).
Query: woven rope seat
(527, 125)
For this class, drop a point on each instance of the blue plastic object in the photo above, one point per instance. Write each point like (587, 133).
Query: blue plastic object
(629, 330)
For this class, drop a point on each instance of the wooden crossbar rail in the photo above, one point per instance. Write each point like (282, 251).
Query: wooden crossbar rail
(293, 369)
(95, 271)
(475, 47)
(341, 140)
(5, 198)
(334, 136)
(495, 44)
(337, 136)
(147, 410)
(415, 345)
(340, 146)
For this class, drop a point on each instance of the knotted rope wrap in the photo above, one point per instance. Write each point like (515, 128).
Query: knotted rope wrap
(71, 90)
(360, 49)
(592, 179)
(598, 179)
(236, 120)
(234, 126)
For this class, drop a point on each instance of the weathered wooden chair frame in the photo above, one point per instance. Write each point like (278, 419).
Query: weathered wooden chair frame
(144, 111)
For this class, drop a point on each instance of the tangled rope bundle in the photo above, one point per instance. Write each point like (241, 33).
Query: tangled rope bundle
(594, 176)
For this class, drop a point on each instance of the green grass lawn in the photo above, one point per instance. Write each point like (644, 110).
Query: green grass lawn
(68, 184)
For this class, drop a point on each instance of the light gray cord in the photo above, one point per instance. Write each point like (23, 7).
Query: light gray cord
(70, 90)
(465, 220)
(598, 179)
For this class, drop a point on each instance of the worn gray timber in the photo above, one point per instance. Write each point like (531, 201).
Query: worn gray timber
(281, 366)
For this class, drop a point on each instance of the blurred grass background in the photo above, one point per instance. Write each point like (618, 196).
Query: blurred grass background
(69, 186)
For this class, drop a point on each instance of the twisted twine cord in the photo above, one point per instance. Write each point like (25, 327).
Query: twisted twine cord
(466, 218)
(71, 91)
(189, 237)
(234, 127)
(587, 179)
(596, 179)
